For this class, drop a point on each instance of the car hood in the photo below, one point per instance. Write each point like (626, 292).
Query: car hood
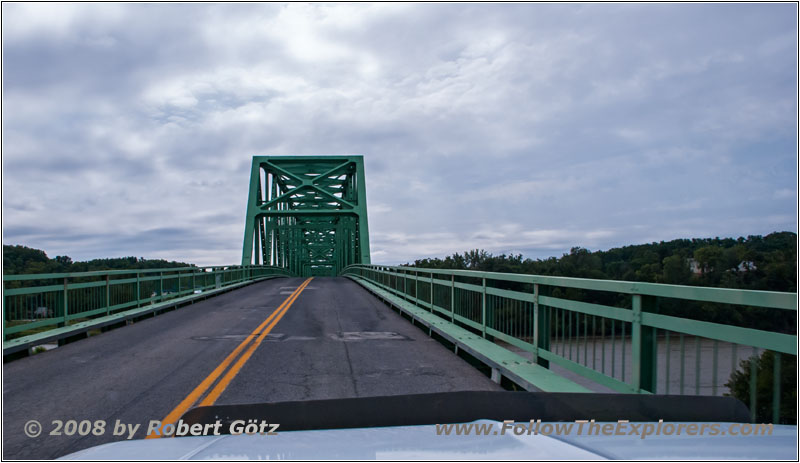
(422, 443)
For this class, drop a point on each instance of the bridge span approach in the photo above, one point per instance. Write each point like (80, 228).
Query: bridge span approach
(308, 317)
(335, 340)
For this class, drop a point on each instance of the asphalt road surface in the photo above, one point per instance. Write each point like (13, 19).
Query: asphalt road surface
(334, 341)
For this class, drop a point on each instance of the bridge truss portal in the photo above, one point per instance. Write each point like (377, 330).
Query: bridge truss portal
(307, 214)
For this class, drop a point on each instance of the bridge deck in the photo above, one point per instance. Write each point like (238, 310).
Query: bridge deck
(335, 341)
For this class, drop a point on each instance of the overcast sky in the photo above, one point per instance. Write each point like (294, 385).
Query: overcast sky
(525, 128)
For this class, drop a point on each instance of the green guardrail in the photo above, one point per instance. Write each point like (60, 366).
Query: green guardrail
(40, 302)
(608, 332)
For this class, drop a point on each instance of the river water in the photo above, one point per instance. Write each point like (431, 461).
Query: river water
(595, 352)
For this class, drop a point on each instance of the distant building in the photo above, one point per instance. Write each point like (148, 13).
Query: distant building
(694, 266)
(746, 266)
(42, 312)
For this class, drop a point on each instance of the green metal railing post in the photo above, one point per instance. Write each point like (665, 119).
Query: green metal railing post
(431, 292)
(452, 298)
(416, 287)
(138, 293)
(535, 349)
(753, 383)
(108, 295)
(161, 286)
(541, 324)
(66, 303)
(483, 307)
(697, 365)
(643, 347)
(776, 387)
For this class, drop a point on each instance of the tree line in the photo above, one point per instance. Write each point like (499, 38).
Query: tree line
(18, 260)
(755, 263)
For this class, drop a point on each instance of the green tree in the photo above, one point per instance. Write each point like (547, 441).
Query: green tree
(24, 260)
(675, 270)
(708, 257)
(739, 385)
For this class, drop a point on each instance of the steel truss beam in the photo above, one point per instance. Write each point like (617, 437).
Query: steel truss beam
(307, 214)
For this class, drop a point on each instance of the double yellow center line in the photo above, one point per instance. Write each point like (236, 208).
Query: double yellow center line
(256, 336)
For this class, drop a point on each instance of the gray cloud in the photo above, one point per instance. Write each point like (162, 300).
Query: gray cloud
(128, 128)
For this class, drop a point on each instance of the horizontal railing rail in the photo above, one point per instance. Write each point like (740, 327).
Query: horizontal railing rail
(34, 303)
(610, 332)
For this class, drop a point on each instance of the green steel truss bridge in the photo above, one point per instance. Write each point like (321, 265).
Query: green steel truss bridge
(266, 330)
(307, 214)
